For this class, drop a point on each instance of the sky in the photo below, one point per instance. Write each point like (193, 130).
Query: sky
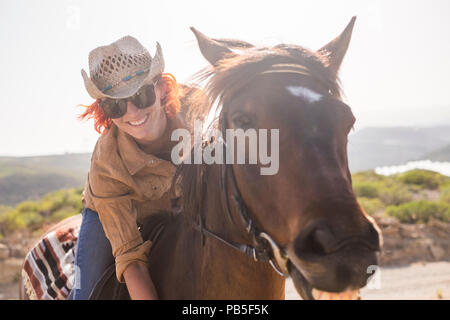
(396, 72)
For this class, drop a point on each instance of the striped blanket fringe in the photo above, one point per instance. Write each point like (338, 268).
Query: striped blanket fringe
(48, 271)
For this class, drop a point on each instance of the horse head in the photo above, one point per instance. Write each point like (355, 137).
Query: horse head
(322, 237)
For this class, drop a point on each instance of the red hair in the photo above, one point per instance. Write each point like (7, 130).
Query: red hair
(170, 100)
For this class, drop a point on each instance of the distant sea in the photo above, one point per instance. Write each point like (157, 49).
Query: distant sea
(441, 167)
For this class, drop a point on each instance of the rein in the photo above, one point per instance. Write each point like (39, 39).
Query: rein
(264, 247)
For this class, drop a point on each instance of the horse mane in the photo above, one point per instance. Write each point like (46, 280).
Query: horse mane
(194, 103)
(225, 80)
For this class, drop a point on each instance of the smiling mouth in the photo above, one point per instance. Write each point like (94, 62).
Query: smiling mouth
(139, 122)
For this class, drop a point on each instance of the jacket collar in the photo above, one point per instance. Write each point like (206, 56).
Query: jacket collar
(136, 159)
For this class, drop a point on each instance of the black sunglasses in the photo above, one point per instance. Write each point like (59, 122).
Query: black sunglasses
(116, 108)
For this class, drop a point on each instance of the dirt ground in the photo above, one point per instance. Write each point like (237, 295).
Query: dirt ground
(9, 276)
(429, 281)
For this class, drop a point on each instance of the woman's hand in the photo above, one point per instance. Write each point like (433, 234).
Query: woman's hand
(140, 285)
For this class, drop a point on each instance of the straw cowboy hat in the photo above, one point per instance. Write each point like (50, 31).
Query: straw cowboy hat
(120, 69)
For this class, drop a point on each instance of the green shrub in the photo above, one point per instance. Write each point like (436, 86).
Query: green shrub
(371, 206)
(53, 207)
(27, 206)
(366, 189)
(395, 195)
(74, 199)
(445, 194)
(368, 176)
(4, 215)
(24, 220)
(420, 211)
(63, 213)
(61, 200)
(423, 178)
(53, 201)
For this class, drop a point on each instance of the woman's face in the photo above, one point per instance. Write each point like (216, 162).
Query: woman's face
(145, 125)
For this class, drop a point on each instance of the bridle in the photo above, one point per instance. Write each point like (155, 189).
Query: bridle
(264, 248)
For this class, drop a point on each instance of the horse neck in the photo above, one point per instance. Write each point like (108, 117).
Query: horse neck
(226, 272)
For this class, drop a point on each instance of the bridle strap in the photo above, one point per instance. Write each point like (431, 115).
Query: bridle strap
(252, 252)
(294, 68)
(236, 196)
(288, 68)
(264, 249)
(263, 242)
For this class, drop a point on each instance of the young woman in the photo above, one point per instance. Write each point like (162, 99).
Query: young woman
(136, 110)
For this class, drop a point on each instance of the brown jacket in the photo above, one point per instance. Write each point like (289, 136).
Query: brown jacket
(124, 185)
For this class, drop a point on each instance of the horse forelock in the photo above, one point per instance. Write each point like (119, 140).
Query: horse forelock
(236, 71)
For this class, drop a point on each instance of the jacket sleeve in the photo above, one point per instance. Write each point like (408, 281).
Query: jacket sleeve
(112, 201)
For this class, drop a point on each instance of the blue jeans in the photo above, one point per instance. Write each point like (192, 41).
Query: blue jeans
(92, 257)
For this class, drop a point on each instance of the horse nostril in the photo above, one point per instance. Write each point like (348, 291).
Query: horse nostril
(318, 241)
(324, 238)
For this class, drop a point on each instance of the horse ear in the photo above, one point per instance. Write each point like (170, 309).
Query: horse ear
(212, 50)
(335, 51)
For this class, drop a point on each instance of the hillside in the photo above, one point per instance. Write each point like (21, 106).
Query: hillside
(442, 154)
(69, 164)
(29, 178)
(373, 147)
(411, 197)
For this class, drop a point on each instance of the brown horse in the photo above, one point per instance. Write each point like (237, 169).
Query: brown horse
(304, 221)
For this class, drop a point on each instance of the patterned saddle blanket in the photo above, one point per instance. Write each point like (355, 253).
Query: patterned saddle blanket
(48, 270)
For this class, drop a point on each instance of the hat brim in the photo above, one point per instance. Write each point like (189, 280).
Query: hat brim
(127, 88)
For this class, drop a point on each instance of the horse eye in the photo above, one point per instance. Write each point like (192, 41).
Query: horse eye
(242, 120)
